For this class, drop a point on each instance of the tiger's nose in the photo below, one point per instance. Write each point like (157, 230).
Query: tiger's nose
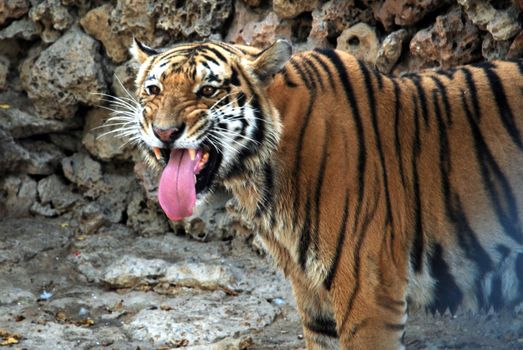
(169, 134)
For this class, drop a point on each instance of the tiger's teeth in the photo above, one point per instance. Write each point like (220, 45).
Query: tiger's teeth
(157, 153)
(195, 179)
(192, 153)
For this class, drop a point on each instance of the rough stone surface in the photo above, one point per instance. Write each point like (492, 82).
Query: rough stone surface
(502, 24)
(493, 49)
(516, 48)
(404, 12)
(82, 170)
(53, 17)
(12, 9)
(332, 18)
(195, 19)
(361, 41)
(101, 140)
(53, 192)
(98, 24)
(21, 29)
(65, 74)
(4, 70)
(123, 79)
(23, 124)
(452, 40)
(292, 8)
(390, 50)
(251, 29)
(17, 194)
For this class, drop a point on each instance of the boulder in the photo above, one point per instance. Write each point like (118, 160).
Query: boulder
(10, 9)
(67, 73)
(361, 41)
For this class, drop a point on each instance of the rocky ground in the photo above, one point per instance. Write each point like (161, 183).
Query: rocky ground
(86, 258)
(118, 290)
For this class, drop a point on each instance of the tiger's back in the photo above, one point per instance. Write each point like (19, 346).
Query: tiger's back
(430, 168)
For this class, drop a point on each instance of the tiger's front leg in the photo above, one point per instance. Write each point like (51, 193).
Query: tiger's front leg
(314, 305)
(370, 316)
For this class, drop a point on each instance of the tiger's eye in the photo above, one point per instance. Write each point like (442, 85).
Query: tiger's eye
(152, 90)
(207, 90)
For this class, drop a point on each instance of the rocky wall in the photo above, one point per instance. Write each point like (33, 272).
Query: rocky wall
(59, 59)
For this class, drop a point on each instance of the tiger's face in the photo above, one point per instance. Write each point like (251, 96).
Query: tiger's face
(203, 116)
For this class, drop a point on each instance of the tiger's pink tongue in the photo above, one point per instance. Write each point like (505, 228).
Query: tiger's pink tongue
(177, 189)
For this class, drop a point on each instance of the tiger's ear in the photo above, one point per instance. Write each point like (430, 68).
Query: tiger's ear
(272, 59)
(141, 52)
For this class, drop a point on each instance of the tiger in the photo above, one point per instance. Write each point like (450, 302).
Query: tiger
(375, 194)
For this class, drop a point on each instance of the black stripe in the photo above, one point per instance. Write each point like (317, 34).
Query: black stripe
(209, 58)
(302, 75)
(496, 294)
(267, 195)
(323, 325)
(286, 78)
(234, 77)
(504, 110)
(319, 183)
(216, 52)
(422, 98)
(312, 70)
(396, 327)
(305, 236)
(442, 90)
(339, 244)
(416, 252)
(397, 138)
(325, 68)
(396, 306)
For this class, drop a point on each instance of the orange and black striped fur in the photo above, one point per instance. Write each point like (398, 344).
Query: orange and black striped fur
(374, 194)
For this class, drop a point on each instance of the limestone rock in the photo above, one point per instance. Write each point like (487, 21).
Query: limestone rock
(195, 19)
(22, 29)
(200, 275)
(54, 192)
(452, 40)
(516, 48)
(37, 158)
(492, 49)
(82, 170)
(97, 23)
(100, 140)
(332, 18)
(17, 194)
(257, 30)
(91, 217)
(503, 24)
(144, 216)
(129, 271)
(65, 74)
(115, 26)
(292, 8)
(23, 124)
(217, 318)
(361, 41)
(53, 17)
(123, 79)
(390, 50)
(404, 12)
(4, 70)
(12, 9)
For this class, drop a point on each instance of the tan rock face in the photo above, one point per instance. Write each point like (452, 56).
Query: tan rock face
(53, 17)
(67, 73)
(403, 12)
(361, 41)
(502, 24)
(256, 29)
(292, 8)
(10, 9)
(390, 51)
(452, 40)
(332, 18)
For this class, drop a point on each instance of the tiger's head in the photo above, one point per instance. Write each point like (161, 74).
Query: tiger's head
(203, 117)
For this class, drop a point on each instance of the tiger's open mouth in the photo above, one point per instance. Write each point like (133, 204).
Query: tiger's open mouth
(187, 172)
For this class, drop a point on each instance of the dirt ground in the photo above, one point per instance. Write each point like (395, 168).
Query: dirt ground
(55, 293)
